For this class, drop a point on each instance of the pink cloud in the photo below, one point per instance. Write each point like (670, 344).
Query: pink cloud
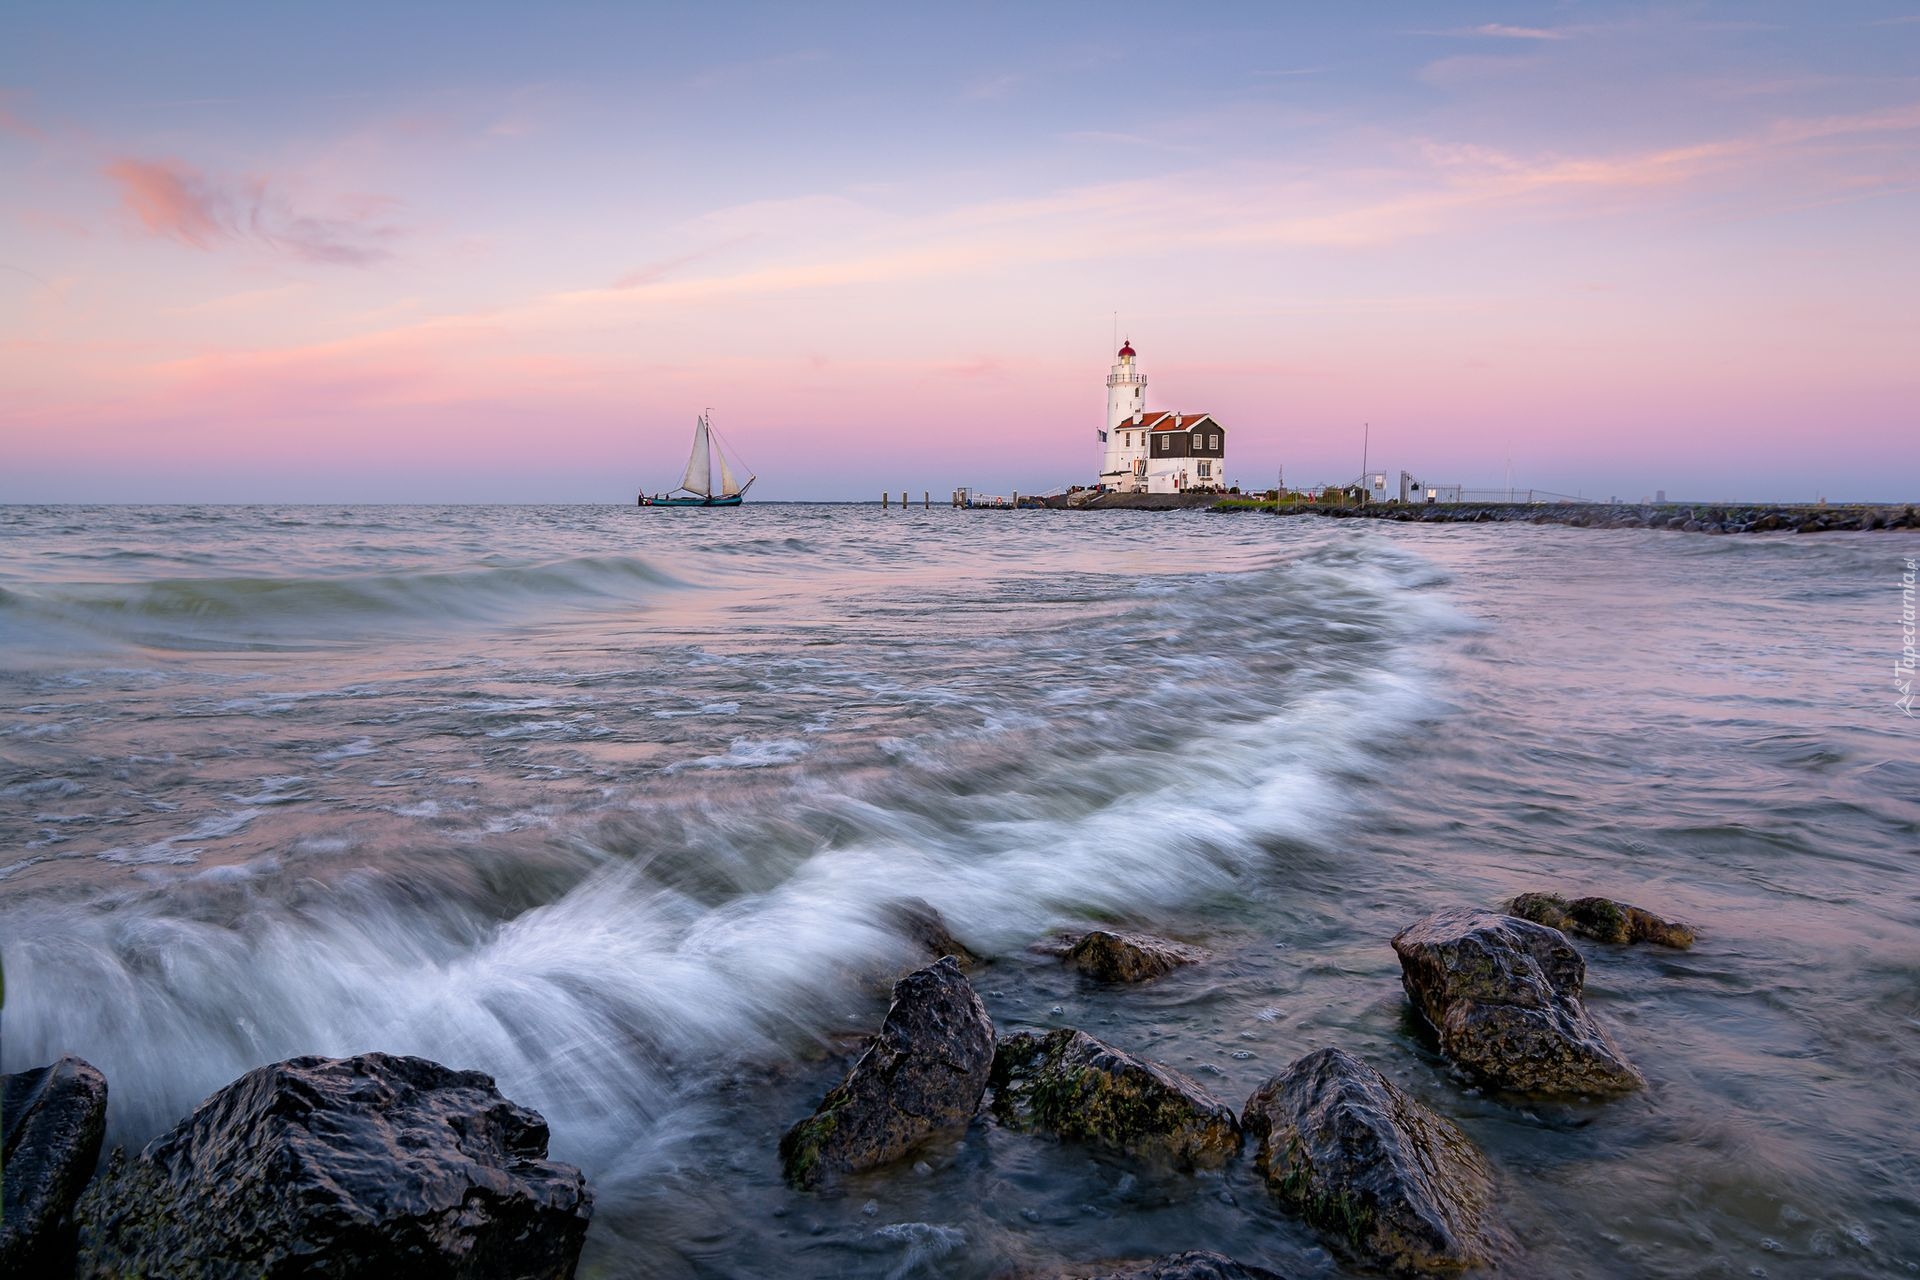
(172, 200)
(175, 201)
(12, 122)
(1501, 31)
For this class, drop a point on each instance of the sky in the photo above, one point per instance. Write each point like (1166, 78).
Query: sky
(478, 252)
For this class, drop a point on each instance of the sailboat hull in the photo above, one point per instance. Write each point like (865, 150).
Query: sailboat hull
(723, 500)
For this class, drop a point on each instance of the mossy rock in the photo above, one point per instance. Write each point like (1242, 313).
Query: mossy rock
(1392, 1183)
(922, 1076)
(1111, 956)
(1503, 996)
(1601, 919)
(1072, 1085)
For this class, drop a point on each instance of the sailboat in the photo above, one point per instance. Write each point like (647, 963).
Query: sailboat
(696, 487)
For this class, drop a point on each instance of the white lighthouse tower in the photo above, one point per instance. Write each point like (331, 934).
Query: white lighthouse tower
(1126, 404)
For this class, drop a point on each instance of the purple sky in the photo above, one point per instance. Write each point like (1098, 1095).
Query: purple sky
(288, 252)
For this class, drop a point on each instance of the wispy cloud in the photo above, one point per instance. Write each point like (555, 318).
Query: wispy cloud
(175, 201)
(1466, 70)
(754, 68)
(172, 200)
(1500, 31)
(992, 88)
(11, 121)
(654, 272)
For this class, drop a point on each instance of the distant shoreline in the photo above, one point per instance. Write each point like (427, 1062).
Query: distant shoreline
(1681, 517)
(1690, 517)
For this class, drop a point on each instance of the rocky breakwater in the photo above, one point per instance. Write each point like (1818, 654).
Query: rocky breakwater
(373, 1165)
(1503, 995)
(921, 1077)
(52, 1120)
(1392, 1182)
(1092, 500)
(1694, 518)
(1076, 1087)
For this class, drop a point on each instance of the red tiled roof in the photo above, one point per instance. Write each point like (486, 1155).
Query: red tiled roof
(1177, 421)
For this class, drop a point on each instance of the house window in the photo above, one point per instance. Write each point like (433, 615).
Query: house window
(1205, 468)
(1166, 443)
(1213, 441)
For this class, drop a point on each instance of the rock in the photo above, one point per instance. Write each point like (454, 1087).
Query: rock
(1503, 995)
(372, 1165)
(919, 921)
(1195, 1264)
(1072, 1085)
(923, 1075)
(51, 1122)
(1602, 919)
(1396, 1184)
(1129, 957)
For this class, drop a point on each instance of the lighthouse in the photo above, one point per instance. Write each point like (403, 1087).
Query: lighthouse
(1126, 403)
(1159, 451)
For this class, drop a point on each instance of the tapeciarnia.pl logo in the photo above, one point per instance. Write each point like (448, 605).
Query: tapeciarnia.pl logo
(1903, 665)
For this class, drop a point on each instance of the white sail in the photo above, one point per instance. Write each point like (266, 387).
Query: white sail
(699, 477)
(728, 485)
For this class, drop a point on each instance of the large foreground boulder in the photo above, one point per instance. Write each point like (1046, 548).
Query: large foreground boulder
(1129, 957)
(1601, 919)
(52, 1120)
(923, 1075)
(1503, 996)
(1394, 1183)
(1072, 1085)
(1194, 1264)
(374, 1165)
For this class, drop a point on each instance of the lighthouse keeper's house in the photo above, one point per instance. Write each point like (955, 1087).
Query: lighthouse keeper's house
(1156, 451)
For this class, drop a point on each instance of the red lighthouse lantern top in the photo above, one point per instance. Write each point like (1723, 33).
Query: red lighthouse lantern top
(1127, 350)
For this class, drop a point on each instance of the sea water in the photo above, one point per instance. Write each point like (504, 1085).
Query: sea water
(613, 805)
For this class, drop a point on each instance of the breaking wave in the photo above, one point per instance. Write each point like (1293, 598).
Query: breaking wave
(306, 612)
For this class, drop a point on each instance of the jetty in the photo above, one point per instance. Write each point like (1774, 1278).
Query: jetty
(1683, 517)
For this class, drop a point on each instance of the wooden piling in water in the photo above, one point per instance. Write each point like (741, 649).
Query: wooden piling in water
(883, 499)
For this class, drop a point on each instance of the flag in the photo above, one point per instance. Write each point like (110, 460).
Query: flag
(1103, 437)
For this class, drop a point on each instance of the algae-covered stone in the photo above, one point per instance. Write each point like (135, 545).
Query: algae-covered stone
(1503, 996)
(1602, 919)
(1194, 1264)
(1392, 1182)
(52, 1120)
(923, 1075)
(1129, 957)
(369, 1166)
(1071, 1084)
